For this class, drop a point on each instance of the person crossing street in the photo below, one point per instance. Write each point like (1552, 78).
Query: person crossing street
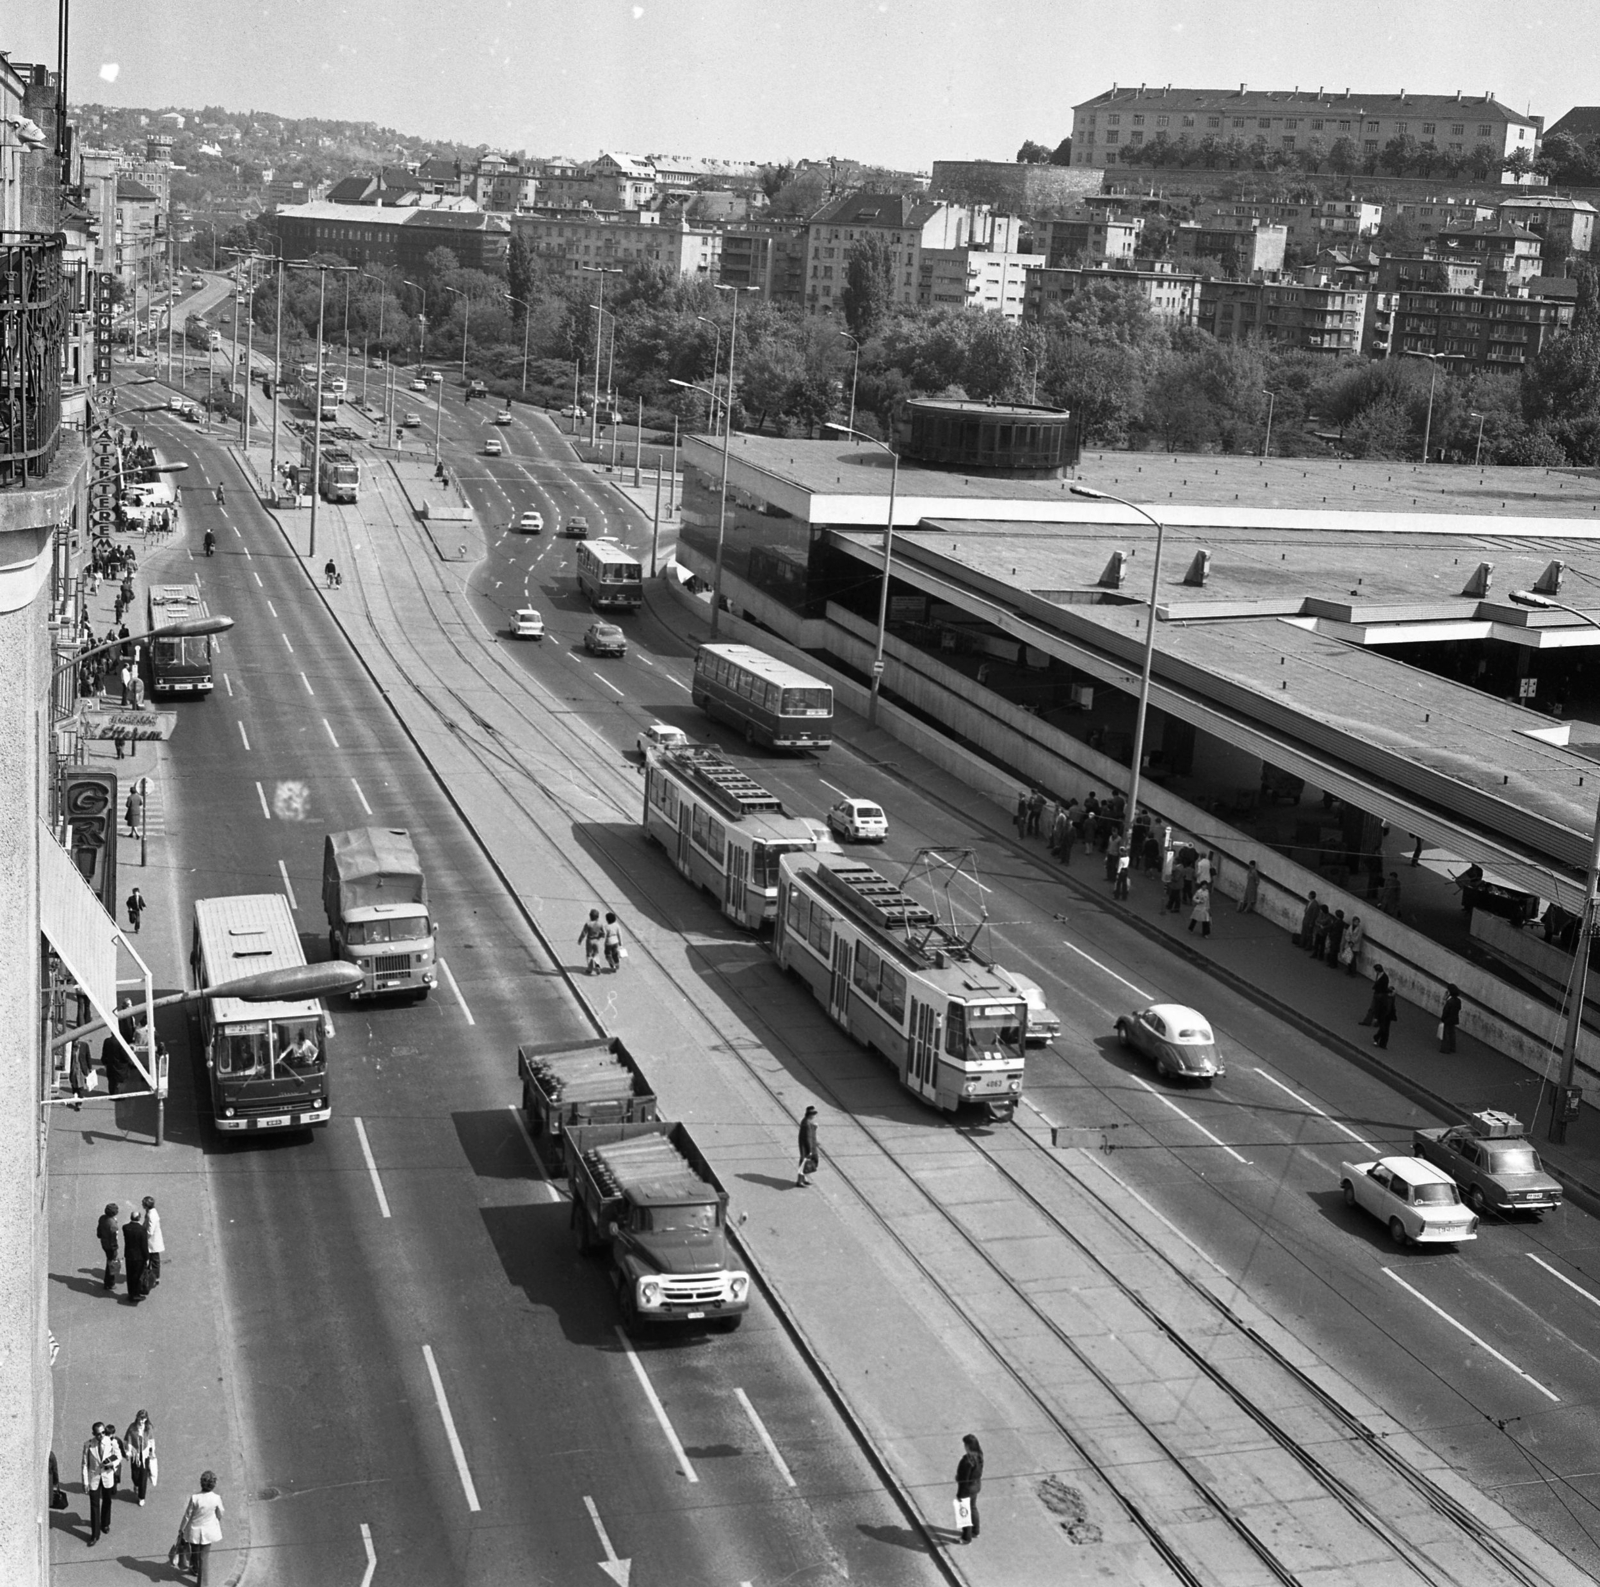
(809, 1156)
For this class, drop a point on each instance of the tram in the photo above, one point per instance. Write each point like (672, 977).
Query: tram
(903, 982)
(722, 829)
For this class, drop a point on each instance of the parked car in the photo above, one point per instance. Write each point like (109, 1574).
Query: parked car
(661, 735)
(576, 527)
(503, 416)
(1492, 1163)
(492, 447)
(1043, 1025)
(410, 421)
(526, 623)
(419, 385)
(858, 821)
(1416, 1201)
(1177, 1038)
(605, 639)
(531, 523)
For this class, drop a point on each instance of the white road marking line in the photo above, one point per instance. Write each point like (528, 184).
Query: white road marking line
(372, 1169)
(656, 1406)
(449, 975)
(227, 683)
(285, 639)
(244, 736)
(372, 1555)
(646, 660)
(1504, 1361)
(331, 739)
(683, 686)
(450, 1430)
(1564, 1279)
(258, 578)
(1360, 1141)
(609, 684)
(307, 682)
(361, 796)
(261, 794)
(271, 608)
(239, 532)
(765, 1437)
(533, 1152)
(1108, 970)
(836, 788)
(616, 1569)
(288, 886)
(1188, 1119)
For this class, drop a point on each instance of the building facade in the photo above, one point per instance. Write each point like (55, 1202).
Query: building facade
(975, 278)
(767, 255)
(1317, 315)
(1248, 249)
(620, 237)
(1171, 293)
(1568, 222)
(1093, 235)
(402, 236)
(1510, 255)
(1497, 333)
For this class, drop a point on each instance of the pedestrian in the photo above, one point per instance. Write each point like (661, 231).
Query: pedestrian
(134, 811)
(1350, 948)
(1173, 877)
(81, 1078)
(1416, 854)
(1124, 865)
(1391, 895)
(969, 1484)
(125, 678)
(1319, 933)
(1335, 936)
(106, 1233)
(613, 942)
(136, 1252)
(1061, 835)
(1152, 851)
(102, 1470)
(1383, 1005)
(155, 1240)
(1204, 868)
(1200, 914)
(1252, 886)
(1019, 817)
(202, 1523)
(136, 907)
(809, 1155)
(1308, 921)
(140, 1444)
(592, 935)
(1189, 866)
(1035, 812)
(1449, 1017)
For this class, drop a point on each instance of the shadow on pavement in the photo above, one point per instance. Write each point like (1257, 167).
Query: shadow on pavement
(535, 1249)
(770, 1181)
(903, 1537)
(88, 1281)
(493, 1144)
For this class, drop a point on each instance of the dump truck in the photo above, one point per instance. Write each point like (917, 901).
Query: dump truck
(567, 1083)
(645, 1193)
(376, 898)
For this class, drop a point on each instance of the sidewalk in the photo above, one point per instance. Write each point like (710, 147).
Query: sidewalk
(168, 1355)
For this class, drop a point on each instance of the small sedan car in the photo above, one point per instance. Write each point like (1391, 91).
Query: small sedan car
(577, 527)
(1043, 1025)
(531, 523)
(1503, 1173)
(1418, 1202)
(858, 821)
(605, 639)
(492, 447)
(526, 623)
(435, 378)
(570, 412)
(419, 385)
(410, 421)
(1177, 1038)
(503, 416)
(660, 735)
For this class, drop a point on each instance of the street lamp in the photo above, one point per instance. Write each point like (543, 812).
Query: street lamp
(1266, 445)
(316, 432)
(1564, 1103)
(716, 365)
(525, 318)
(888, 553)
(594, 414)
(1477, 456)
(186, 628)
(1433, 379)
(466, 320)
(422, 346)
(1149, 655)
(855, 369)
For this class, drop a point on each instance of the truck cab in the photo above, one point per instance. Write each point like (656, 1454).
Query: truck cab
(376, 899)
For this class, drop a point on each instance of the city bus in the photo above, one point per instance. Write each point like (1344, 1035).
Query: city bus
(338, 472)
(266, 1063)
(903, 983)
(723, 830)
(178, 666)
(610, 578)
(769, 701)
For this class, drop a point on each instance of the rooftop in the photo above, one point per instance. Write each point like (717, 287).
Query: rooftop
(1346, 103)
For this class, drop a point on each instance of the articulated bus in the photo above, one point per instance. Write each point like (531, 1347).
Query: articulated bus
(769, 701)
(902, 982)
(611, 578)
(338, 472)
(267, 1063)
(178, 666)
(723, 830)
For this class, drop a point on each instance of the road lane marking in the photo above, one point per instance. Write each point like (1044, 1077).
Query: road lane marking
(257, 575)
(450, 1430)
(361, 796)
(271, 608)
(765, 1437)
(331, 739)
(1482, 1344)
(307, 682)
(646, 660)
(836, 788)
(1360, 1141)
(608, 683)
(533, 1151)
(1108, 970)
(1188, 1118)
(684, 686)
(616, 1569)
(288, 886)
(372, 1555)
(656, 1406)
(372, 1169)
(245, 737)
(449, 975)
(261, 794)
(227, 683)
(1595, 1299)
(285, 638)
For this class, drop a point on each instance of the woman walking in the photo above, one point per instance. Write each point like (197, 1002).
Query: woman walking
(1449, 1017)
(140, 1443)
(969, 1484)
(202, 1523)
(1350, 948)
(592, 934)
(154, 1238)
(613, 942)
(1200, 913)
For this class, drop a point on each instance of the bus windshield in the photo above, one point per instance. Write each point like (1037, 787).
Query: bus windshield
(367, 933)
(298, 1043)
(807, 702)
(243, 1052)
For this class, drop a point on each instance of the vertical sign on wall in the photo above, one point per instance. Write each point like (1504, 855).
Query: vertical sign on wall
(89, 809)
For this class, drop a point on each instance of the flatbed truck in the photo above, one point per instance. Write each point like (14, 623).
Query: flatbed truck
(571, 1083)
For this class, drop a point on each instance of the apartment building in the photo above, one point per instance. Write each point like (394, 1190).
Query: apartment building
(1286, 121)
(1567, 222)
(611, 182)
(1171, 293)
(141, 243)
(1430, 216)
(1426, 272)
(402, 235)
(576, 238)
(1319, 314)
(501, 185)
(767, 255)
(1510, 254)
(975, 278)
(1246, 250)
(1496, 333)
(1092, 234)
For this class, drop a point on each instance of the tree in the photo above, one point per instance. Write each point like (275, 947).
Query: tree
(868, 292)
(774, 178)
(1342, 156)
(520, 269)
(994, 361)
(1518, 165)
(1561, 391)
(1032, 153)
(766, 377)
(1062, 153)
(1382, 430)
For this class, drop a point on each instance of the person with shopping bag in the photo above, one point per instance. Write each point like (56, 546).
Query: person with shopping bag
(200, 1527)
(969, 1484)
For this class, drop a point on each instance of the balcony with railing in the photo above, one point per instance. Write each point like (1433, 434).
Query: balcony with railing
(35, 302)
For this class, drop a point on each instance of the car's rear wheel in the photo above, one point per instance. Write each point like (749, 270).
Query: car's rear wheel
(1122, 1032)
(1475, 1200)
(1349, 1193)
(1397, 1231)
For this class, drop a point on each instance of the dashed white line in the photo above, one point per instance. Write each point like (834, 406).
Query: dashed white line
(608, 683)
(227, 683)
(271, 608)
(683, 686)
(1482, 1344)
(261, 794)
(372, 1555)
(533, 1151)
(257, 575)
(450, 1433)
(1107, 968)
(765, 1437)
(1594, 1299)
(449, 975)
(838, 790)
(1364, 1144)
(288, 886)
(361, 796)
(245, 737)
(307, 682)
(1189, 1118)
(285, 638)
(656, 1406)
(372, 1169)
(331, 739)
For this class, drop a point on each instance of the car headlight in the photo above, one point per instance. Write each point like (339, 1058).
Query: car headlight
(738, 1287)
(650, 1292)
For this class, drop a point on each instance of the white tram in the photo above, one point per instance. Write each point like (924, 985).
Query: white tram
(902, 982)
(723, 830)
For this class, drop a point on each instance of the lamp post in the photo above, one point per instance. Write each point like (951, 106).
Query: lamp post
(1149, 654)
(1564, 1104)
(316, 433)
(277, 370)
(594, 416)
(383, 298)
(1433, 379)
(888, 554)
(577, 406)
(422, 346)
(187, 628)
(716, 367)
(1477, 456)
(346, 332)
(1266, 445)
(525, 318)
(855, 369)
(466, 320)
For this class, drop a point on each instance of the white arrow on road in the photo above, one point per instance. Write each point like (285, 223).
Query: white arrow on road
(616, 1569)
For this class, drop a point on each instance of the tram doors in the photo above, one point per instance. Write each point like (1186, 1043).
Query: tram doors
(735, 882)
(839, 988)
(922, 1049)
(684, 814)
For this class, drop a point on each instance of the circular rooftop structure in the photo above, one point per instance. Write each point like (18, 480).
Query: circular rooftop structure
(1016, 440)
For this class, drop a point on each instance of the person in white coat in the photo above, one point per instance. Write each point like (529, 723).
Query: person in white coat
(157, 1241)
(202, 1523)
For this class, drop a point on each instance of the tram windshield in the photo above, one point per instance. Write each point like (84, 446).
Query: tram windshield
(977, 1031)
(764, 859)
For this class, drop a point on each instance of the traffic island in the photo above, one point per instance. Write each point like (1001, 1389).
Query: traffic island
(441, 509)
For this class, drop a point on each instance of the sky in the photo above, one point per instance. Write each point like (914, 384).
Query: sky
(892, 82)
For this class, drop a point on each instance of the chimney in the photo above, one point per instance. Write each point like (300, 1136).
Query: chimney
(1241, 90)
(1141, 90)
(1458, 96)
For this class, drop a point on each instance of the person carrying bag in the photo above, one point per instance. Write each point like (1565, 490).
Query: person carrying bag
(200, 1528)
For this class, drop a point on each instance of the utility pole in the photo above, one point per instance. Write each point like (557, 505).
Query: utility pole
(316, 432)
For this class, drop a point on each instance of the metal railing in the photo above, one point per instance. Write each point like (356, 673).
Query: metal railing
(35, 301)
